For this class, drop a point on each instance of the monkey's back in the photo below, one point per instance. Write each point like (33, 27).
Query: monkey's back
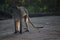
(19, 12)
(22, 10)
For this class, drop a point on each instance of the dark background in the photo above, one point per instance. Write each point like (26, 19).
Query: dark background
(35, 8)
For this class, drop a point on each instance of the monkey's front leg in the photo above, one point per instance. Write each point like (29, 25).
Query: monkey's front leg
(15, 26)
(18, 25)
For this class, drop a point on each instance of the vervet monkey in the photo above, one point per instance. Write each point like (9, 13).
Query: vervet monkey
(24, 15)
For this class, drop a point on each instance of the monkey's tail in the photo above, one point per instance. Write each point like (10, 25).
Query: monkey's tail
(33, 24)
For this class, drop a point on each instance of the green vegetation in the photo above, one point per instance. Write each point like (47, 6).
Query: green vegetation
(32, 5)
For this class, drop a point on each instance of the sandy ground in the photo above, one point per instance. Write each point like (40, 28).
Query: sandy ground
(50, 30)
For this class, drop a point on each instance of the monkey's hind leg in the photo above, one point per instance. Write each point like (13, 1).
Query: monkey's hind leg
(26, 22)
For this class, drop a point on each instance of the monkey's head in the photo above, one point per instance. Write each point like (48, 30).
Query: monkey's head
(14, 9)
